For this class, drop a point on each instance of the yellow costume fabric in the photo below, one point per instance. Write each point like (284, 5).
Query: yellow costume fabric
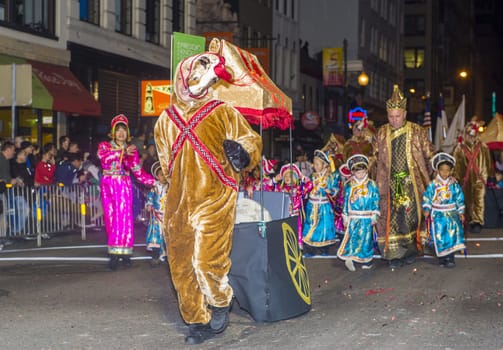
(403, 171)
(473, 167)
(200, 208)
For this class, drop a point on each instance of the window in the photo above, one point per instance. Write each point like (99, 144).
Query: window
(293, 9)
(414, 25)
(285, 7)
(90, 11)
(413, 57)
(178, 15)
(153, 21)
(123, 16)
(277, 5)
(35, 16)
(416, 84)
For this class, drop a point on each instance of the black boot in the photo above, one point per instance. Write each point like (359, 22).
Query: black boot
(219, 318)
(198, 333)
(126, 261)
(450, 261)
(155, 262)
(112, 263)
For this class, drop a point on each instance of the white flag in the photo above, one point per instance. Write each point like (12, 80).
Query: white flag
(456, 127)
(441, 130)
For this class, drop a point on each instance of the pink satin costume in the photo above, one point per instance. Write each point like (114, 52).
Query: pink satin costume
(117, 195)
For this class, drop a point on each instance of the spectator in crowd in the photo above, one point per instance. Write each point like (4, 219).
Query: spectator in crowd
(44, 172)
(20, 168)
(17, 141)
(27, 148)
(139, 141)
(8, 150)
(64, 144)
(66, 171)
(150, 159)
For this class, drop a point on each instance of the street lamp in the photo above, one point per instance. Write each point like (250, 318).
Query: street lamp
(363, 79)
(463, 74)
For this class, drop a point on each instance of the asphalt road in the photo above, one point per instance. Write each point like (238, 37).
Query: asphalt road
(81, 305)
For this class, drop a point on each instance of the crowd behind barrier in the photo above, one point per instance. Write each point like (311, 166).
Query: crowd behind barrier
(39, 212)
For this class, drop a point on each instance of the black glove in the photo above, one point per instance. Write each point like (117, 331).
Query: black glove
(236, 154)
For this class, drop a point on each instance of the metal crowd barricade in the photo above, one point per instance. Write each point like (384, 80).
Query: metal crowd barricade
(34, 212)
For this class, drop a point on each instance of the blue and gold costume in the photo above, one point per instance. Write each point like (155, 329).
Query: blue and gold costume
(155, 234)
(361, 210)
(319, 227)
(445, 201)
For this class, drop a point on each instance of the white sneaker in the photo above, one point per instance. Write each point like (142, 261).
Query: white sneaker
(349, 264)
(367, 266)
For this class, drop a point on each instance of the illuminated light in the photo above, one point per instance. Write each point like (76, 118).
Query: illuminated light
(412, 90)
(463, 74)
(481, 129)
(363, 79)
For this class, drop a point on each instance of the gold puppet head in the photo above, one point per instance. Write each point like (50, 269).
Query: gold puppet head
(397, 100)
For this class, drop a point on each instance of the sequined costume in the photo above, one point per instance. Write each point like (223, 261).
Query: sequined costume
(444, 200)
(117, 194)
(473, 167)
(361, 210)
(403, 170)
(298, 191)
(319, 227)
(155, 234)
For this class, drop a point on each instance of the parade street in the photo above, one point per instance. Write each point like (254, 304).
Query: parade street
(76, 303)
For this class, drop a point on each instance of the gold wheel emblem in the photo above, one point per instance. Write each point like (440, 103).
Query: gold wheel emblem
(295, 263)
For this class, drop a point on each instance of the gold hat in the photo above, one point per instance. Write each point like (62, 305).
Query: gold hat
(396, 101)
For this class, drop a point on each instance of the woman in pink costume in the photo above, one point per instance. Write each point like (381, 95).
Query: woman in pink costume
(118, 159)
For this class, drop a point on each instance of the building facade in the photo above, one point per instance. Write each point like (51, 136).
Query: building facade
(108, 46)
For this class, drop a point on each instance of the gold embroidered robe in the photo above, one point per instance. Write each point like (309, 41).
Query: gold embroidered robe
(473, 177)
(403, 171)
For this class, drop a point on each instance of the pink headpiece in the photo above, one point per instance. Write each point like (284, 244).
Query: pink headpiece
(268, 165)
(293, 168)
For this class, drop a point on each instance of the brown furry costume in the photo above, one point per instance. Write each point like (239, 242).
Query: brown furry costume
(202, 194)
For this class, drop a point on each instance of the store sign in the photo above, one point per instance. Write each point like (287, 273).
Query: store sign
(333, 64)
(356, 114)
(155, 97)
(310, 120)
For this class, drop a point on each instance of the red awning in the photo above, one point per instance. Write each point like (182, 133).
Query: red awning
(68, 93)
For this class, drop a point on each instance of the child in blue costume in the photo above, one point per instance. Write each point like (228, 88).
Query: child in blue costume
(155, 205)
(360, 213)
(319, 228)
(444, 208)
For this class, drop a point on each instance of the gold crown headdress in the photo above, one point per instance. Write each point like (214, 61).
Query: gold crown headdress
(396, 101)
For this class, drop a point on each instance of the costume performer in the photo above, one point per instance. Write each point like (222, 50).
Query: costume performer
(118, 160)
(360, 213)
(361, 143)
(291, 180)
(334, 148)
(203, 145)
(403, 154)
(444, 203)
(319, 229)
(155, 204)
(473, 167)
